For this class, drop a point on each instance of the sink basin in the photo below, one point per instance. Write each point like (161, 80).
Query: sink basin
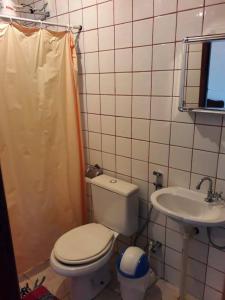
(188, 206)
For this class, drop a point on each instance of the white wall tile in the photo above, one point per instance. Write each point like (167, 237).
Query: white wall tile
(105, 14)
(95, 140)
(123, 83)
(141, 83)
(92, 83)
(183, 4)
(164, 29)
(123, 11)
(123, 60)
(109, 161)
(95, 157)
(215, 279)
(221, 167)
(90, 18)
(123, 127)
(108, 143)
(106, 61)
(140, 150)
(139, 169)
(145, 10)
(91, 62)
(93, 104)
(107, 84)
(123, 106)
(164, 7)
(162, 83)
(142, 58)
(208, 2)
(108, 104)
(142, 32)
(179, 178)
(106, 38)
(199, 163)
(180, 158)
(161, 108)
(94, 123)
(91, 41)
(88, 2)
(123, 146)
(140, 129)
(73, 5)
(213, 20)
(123, 35)
(123, 165)
(215, 259)
(108, 124)
(182, 134)
(222, 145)
(141, 107)
(61, 7)
(189, 23)
(163, 56)
(159, 154)
(76, 17)
(212, 294)
(160, 132)
(207, 138)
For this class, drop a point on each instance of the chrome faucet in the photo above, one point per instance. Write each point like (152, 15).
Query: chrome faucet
(210, 195)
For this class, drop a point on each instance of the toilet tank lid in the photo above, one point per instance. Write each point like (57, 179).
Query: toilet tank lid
(115, 185)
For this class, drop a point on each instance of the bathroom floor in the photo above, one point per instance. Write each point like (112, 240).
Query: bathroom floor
(59, 286)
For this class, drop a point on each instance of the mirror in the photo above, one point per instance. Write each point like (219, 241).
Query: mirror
(203, 75)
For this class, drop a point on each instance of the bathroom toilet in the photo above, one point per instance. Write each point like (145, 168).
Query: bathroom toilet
(83, 253)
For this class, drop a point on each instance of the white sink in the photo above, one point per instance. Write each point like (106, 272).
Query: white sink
(188, 206)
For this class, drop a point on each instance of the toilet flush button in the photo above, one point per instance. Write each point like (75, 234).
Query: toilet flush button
(113, 181)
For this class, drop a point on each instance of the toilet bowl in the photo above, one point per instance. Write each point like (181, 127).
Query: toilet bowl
(89, 275)
(83, 253)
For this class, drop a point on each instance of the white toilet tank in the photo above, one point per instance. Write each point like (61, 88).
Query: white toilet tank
(115, 204)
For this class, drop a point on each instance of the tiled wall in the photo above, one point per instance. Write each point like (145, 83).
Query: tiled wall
(130, 56)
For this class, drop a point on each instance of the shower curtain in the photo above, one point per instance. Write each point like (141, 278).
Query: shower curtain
(40, 139)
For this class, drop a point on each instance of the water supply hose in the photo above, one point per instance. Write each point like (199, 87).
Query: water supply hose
(209, 233)
(141, 230)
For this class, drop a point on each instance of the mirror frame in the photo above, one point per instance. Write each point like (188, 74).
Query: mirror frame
(186, 42)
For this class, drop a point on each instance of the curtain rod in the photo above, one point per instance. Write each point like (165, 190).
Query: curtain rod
(40, 22)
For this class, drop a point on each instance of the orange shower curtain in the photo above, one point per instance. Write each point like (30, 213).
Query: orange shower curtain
(40, 139)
